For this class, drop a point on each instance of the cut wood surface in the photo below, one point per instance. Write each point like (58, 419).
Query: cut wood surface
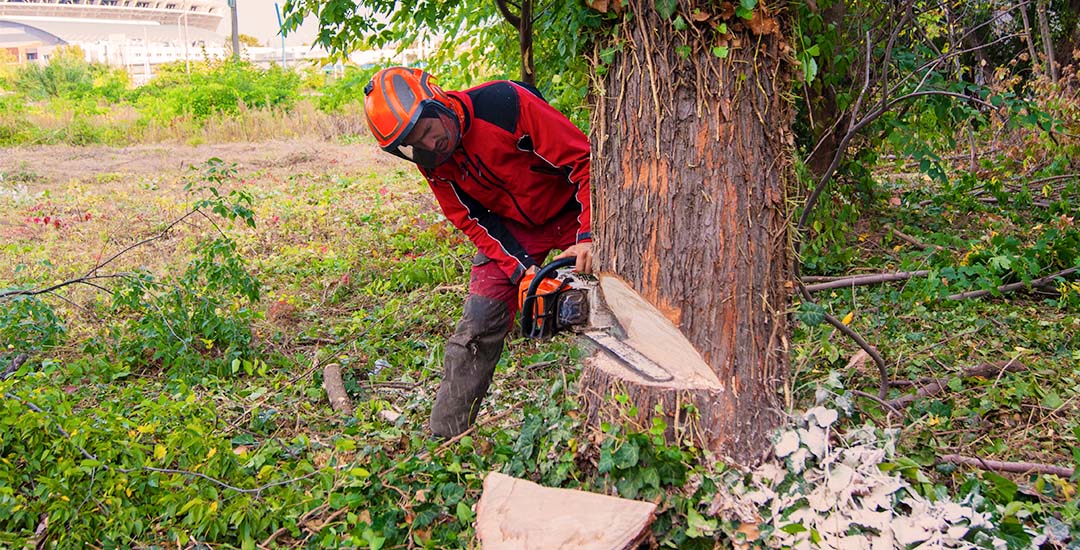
(335, 390)
(650, 333)
(514, 514)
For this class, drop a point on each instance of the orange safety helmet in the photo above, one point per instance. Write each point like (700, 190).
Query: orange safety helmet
(396, 99)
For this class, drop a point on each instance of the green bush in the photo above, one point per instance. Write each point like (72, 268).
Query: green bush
(213, 88)
(68, 75)
(345, 90)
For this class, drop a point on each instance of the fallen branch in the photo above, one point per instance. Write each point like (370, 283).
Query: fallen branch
(937, 385)
(335, 390)
(16, 362)
(822, 278)
(1013, 467)
(91, 274)
(870, 350)
(862, 280)
(1042, 281)
(878, 400)
(912, 240)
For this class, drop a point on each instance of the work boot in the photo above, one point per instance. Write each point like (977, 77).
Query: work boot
(471, 355)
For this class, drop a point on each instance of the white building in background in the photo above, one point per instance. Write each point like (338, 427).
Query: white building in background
(135, 34)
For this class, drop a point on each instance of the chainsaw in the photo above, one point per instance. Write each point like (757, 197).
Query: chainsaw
(555, 299)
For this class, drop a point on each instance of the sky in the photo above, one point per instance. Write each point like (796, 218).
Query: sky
(258, 18)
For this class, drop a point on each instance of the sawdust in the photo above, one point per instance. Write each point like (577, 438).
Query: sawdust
(825, 489)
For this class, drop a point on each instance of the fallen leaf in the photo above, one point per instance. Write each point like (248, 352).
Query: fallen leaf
(389, 415)
(598, 5)
(787, 444)
(857, 360)
(824, 417)
(814, 439)
(762, 25)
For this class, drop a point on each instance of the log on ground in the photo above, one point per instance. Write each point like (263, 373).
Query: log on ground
(335, 390)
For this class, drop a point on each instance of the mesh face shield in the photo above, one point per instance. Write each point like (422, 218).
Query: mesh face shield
(432, 137)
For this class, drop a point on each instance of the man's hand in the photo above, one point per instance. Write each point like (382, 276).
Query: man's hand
(583, 253)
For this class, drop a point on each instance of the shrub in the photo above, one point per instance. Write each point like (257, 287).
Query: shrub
(215, 87)
(345, 90)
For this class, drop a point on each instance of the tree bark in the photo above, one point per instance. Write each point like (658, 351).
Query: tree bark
(1029, 38)
(1047, 41)
(523, 22)
(827, 120)
(525, 43)
(691, 159)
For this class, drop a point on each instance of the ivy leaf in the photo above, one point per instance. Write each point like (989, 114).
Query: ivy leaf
(626, 456)
(720, 51)
(1052, 400)
(606, 462)
(464, 513)
(1003, 489)
(1001, 262)
(697, 526)
(666, 8)
(811, 314)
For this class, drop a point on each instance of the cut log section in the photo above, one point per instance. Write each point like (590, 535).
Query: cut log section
(644, 329)
(335, 390)
(514, 514)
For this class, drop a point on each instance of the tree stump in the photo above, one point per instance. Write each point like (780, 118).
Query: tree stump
(514, 514)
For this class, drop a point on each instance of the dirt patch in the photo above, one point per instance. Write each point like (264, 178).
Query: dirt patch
(62, 163)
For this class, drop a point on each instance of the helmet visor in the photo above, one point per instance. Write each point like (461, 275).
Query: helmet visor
(432, 139)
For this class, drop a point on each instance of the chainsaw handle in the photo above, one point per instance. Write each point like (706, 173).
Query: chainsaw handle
(529, 302)
(548, 270)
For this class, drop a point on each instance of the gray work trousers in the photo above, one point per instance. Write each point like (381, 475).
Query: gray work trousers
(471, 355)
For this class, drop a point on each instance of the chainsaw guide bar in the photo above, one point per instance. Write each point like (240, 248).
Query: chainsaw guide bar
(629, 357)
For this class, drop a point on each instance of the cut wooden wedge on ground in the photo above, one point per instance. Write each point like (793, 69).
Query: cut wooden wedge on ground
(515, 514)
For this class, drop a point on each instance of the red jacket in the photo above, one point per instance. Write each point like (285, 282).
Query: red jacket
(519, 159)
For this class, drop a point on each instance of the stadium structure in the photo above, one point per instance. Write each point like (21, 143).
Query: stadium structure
(202, 14)
(136, 34)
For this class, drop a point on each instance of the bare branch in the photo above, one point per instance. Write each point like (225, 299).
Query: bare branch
(83, 280)
(1035, 283)
(508, 16)
(935, 386)
(863, 280)
(870, 350)
(1011, 467)
(160, 235)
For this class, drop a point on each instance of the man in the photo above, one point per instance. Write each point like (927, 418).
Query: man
(509, 171)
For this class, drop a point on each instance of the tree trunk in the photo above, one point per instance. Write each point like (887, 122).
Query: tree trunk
(1047, 42)
(827, 121)
(691, 159)
(525, 43)
(1029, 38)
(523, 22)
